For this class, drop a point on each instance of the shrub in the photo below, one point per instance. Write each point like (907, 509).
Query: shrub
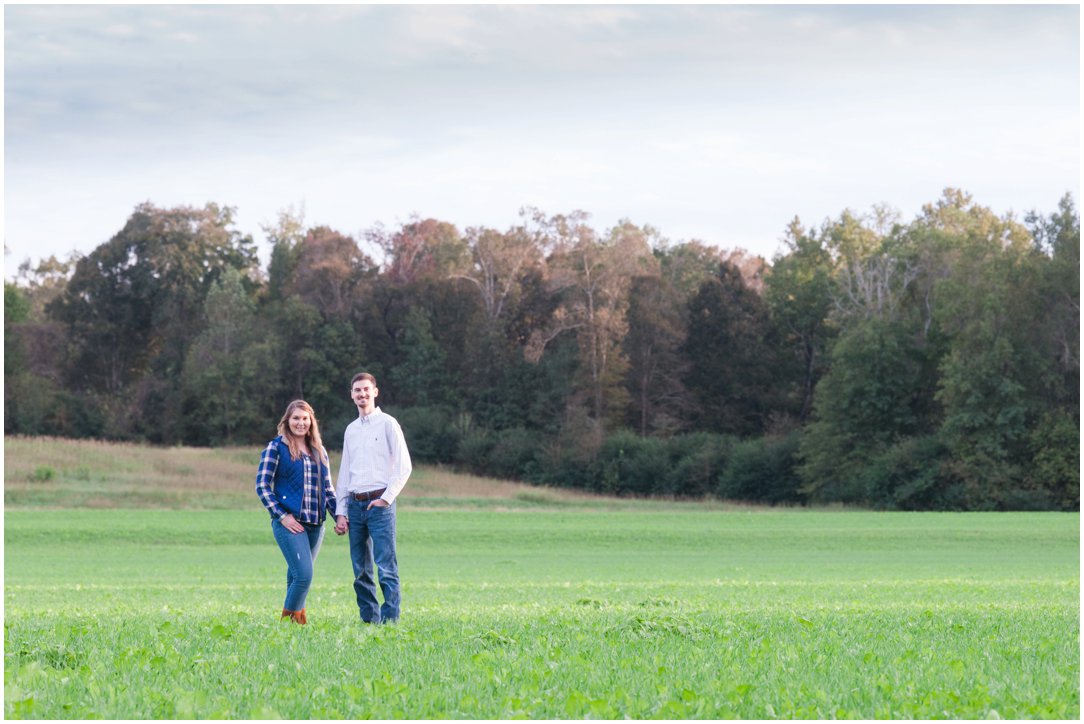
(633, 464)
(563, 465)
(696, 461)
(762, 469)
(474, 449)
(42, 473)
(1055, 468)
(909, 475)
(514, 453)
(570, 459)
(430, 433)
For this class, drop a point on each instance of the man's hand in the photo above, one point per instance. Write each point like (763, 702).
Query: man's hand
(378, 503)
(341, 524)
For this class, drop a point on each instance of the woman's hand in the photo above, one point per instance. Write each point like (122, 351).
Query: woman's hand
(289, 522)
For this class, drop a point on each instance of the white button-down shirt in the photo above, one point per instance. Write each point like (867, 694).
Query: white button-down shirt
(375, 456)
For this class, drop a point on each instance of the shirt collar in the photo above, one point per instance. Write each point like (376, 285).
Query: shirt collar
(366, 419)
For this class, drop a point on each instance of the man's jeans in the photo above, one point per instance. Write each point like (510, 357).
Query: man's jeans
(300, 551)
(372, 539)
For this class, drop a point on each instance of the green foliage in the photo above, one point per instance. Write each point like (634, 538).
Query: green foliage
(1055, 467)
(696, 461)
(730, 359)
(863, 404)
(227, 361)
(657, 329)
(910, 475)
(137, 300)
(432, 433)
(763, 470)
(799, 297)
(42, 473)
(994, 379)
(38, 406)
(420, 378)
(510, 453)
(16, 305)
(630, 464)
(925, 363)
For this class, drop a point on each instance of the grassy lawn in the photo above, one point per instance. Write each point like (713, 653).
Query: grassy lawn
(521, 602)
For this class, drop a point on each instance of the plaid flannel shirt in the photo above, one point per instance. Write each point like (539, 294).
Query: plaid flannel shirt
(317, 494)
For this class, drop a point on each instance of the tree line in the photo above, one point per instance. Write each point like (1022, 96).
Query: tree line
(931, 363)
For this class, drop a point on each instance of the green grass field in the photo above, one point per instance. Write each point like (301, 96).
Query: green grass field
(523, 603)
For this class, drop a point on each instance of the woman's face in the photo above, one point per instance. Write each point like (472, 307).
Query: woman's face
(299, 422)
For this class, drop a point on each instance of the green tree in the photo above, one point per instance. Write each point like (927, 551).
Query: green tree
(1057, 238)
(862, 407)
(995, 378)
(135, 304)
(227, 369)
(285, 237)
(138, 298)
(45, 282)
(657, 330)
(317, 357)
(420, 377)
(730, 355)
(799, 293)
(16, 305)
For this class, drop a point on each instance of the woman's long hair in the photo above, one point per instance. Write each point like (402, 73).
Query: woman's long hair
(312, 437)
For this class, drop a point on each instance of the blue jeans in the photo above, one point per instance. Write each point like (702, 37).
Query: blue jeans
(300, 551)
(372, 540)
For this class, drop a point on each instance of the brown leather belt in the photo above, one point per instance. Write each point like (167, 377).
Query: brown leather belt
(368, 495)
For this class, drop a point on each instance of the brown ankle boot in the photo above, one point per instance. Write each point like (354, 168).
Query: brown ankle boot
(299, 617)
(287, 614)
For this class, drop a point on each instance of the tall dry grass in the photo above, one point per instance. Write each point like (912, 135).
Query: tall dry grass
(54, 472)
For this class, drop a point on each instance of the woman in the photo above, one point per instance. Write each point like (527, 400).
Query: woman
(294, 484)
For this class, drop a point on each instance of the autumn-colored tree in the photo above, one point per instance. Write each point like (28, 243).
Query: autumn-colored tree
(592, 277)
(657, 321)
(499, 261)
(330, 268)
(420, 249)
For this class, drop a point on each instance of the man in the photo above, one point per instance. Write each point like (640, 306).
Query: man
(374, 468)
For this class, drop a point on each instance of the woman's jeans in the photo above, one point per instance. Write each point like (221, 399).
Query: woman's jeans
(300, 551)
(372, 539)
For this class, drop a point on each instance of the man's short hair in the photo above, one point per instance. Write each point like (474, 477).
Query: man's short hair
(362, 376)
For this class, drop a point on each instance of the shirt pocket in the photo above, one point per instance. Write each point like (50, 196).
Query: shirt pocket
(377, 446)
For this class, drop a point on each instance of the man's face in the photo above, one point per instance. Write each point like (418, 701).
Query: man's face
(364, 395)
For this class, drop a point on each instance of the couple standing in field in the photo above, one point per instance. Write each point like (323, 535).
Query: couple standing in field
(294, 483)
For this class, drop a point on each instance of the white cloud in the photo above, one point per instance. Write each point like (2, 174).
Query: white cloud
(716, 122)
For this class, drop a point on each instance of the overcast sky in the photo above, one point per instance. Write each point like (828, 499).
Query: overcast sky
(711, 122)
